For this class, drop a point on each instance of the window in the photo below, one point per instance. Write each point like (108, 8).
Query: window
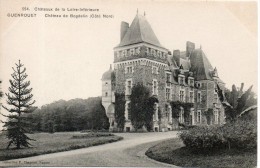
(129, 69)
(199, 97)
(153, 52)
(191, 97)
(191, 82)
(156, 116)
(216, 116)
(124, 53)
(181, 80)
(106, 83)
(215, 94)
(198, 116)
(106, 94)
(182, 95)
(128, 113)
(181, 117)
(215, 98)
(203, 85)
(132, 51)
(198, 85)
(168, 77)
(155, 87)
(167, 94)
(128, 86)
(154, 70)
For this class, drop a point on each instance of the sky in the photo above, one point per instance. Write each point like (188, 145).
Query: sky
(65, 58)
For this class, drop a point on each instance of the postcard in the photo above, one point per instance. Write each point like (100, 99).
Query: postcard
(128, 83)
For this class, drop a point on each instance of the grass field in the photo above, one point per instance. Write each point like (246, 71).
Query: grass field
(56, 142)
(173, 152)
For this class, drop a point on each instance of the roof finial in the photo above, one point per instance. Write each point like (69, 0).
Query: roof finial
(110, 67)
(144, 13)
(137, 11)
(200, 46)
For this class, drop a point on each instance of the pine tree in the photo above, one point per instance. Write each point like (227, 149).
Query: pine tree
(20, 101)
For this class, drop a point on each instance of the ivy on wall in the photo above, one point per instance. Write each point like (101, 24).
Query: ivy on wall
(176, 107)
(120, 110)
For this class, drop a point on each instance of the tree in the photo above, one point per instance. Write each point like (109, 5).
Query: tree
(20, 100)
(236, 102)
(120, 110)
(137, 105)
(149, 112)
(141, 107)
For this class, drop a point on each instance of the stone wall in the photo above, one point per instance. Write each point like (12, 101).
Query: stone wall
(143, 74)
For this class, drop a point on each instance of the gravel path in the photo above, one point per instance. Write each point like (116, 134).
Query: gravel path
(127, 152)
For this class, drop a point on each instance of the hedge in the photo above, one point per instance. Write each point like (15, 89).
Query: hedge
(240, 134)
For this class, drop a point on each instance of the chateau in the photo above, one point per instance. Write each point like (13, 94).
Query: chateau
(180, 76)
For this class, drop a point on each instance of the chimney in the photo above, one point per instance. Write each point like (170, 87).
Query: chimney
(176, 56)
(124, 28)
(189, 48)
(176, 53)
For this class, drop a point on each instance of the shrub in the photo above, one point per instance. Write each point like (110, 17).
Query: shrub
(92, 134)
(240, 134)
(203, 137)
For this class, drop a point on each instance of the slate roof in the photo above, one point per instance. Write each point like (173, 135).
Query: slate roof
(139, 31)
(200, 65)
(185, 64)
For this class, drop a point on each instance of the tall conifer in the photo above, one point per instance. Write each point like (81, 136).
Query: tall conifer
(20, 101)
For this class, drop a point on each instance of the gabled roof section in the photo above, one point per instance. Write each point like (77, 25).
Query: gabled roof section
(139, 31)
(185, 64)
(200, 65)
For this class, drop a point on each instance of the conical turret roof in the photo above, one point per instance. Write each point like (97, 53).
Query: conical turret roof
(108, 75)
(139, 31)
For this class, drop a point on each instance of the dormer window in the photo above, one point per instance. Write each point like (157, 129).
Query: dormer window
(181, 80)
(191, 82)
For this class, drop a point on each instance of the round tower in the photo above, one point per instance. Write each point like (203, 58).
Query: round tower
(108, 97)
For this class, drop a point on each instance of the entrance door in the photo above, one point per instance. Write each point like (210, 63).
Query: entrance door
(127, 129)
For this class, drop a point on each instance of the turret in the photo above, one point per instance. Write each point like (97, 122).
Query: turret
(108, 97)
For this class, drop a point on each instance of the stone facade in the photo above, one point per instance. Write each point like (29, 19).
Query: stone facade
(185, 76)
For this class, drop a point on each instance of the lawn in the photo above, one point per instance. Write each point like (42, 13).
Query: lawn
(174, 152)
(56, 142)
